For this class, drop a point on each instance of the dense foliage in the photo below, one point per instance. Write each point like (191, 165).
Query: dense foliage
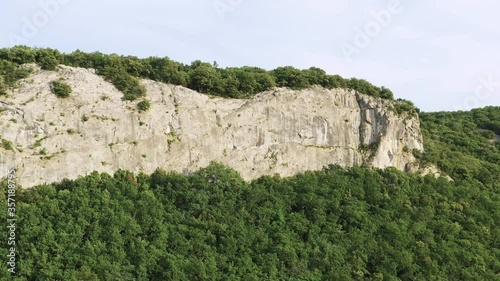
(10, 73)
(463, 144)
(124, 71)
(331, 225)
(334, 224)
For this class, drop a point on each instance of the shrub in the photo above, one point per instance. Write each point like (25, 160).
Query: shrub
(3, 90)
(60, 88)
(12, 72)
(372, 147)
(417, 154)
(124, 82)
(144, 105)
(7, 144)
(488, 134)
(401, 106)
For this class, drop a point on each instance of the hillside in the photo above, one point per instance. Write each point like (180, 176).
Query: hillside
(138, 169)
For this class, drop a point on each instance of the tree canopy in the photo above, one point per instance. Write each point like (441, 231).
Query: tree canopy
(124, 72)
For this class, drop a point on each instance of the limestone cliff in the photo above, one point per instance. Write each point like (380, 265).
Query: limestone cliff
(279, 131)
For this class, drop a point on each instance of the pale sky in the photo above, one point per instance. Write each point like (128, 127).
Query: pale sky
(440, 54)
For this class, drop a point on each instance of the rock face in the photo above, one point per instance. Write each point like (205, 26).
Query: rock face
(279, 131)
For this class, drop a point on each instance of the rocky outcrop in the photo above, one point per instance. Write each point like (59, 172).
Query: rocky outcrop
(279, 131)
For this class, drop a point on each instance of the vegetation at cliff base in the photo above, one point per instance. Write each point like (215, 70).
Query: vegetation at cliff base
(335, 224)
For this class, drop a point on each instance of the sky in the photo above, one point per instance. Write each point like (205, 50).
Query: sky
(440, 54)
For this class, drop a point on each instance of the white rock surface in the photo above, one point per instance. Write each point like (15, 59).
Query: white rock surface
(278, 131)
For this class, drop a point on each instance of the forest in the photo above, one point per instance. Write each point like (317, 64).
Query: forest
(208, 78)
(335, 224)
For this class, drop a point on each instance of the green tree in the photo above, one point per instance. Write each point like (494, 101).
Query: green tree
(18, 54)
(47, 59)
(166, 70)
(204, 78)
(290, 77)
(317, 76)
(386, 93)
